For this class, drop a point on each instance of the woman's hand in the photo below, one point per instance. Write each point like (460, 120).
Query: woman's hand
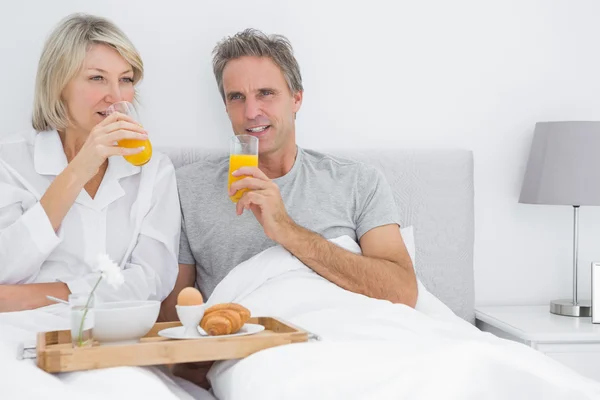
(101, 144)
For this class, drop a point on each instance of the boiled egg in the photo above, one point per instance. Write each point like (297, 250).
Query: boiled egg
(190, 296)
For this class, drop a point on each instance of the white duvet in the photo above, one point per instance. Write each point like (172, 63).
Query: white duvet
(369, 349)
(372, 349)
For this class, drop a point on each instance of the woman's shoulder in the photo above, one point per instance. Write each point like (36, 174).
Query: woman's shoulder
(18, 147)
(161, 159)
(159, 167)
(20, 139)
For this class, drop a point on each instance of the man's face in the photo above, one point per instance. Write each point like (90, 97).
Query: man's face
(259, 102)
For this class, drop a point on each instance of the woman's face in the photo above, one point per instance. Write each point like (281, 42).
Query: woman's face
(105, 78)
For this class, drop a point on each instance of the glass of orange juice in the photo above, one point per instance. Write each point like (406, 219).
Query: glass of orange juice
(141, 158)
(243, 152)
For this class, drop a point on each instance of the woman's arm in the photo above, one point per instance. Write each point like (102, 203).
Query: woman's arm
(61, 194)
(28, 297)
(26, 233)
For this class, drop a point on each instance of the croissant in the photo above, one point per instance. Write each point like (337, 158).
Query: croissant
(224, 319)
(243, 311)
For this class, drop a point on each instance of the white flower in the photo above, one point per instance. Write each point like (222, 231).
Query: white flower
(109, 270)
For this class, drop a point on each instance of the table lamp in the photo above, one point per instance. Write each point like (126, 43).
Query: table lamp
(562, 170)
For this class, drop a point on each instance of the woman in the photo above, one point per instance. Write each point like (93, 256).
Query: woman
(66, 192)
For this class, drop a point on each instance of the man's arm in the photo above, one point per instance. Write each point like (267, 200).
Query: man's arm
(384, 270)
(185, 278)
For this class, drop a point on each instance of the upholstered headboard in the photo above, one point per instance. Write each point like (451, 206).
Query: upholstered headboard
(434, 193)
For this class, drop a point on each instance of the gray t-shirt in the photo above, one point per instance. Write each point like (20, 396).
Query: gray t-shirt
(325, 194)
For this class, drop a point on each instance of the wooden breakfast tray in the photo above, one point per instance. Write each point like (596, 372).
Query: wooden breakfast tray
(55, 352)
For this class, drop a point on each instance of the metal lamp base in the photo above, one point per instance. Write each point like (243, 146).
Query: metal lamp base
(573, 307)
(567, 308)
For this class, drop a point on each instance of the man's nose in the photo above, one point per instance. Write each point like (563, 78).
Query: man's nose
(252, 109)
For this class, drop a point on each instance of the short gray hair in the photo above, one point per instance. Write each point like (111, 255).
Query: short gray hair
(252, 42)
(62, 58)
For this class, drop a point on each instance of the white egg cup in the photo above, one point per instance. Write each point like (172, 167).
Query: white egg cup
(190, 317)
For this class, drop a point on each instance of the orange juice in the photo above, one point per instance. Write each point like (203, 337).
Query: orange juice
(237, 161)
(140, 158)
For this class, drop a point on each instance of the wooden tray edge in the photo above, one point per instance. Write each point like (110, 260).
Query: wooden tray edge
(49, 358)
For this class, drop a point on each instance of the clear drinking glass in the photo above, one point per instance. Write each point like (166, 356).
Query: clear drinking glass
(243, 152)
(82, 319)
(139, 159)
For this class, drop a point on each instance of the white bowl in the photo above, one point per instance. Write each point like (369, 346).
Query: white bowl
(124, 321)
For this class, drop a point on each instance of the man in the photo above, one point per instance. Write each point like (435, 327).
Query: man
(297, 198)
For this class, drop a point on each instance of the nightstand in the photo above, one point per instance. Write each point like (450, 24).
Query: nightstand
(575, 342)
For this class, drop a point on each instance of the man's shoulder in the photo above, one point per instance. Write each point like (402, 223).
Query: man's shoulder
(201, 180)
(334, 163)
(202, 168)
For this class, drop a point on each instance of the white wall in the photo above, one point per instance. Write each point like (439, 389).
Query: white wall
(469, 74)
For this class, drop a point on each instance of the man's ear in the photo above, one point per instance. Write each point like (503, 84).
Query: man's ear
(298, 100)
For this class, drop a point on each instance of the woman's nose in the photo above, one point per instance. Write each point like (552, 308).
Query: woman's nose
(114, 94)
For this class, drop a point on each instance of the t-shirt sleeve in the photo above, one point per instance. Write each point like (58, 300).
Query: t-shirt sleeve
(375, 204)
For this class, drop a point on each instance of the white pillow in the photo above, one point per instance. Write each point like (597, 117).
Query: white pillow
(408, 237)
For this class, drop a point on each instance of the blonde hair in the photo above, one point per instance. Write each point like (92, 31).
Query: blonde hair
(252, 42)
(62, 58)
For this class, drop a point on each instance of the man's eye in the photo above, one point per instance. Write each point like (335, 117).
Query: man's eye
(235, 97)
(266, 92)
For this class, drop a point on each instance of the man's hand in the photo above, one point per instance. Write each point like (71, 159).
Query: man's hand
(30, 296)
(264, 200)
